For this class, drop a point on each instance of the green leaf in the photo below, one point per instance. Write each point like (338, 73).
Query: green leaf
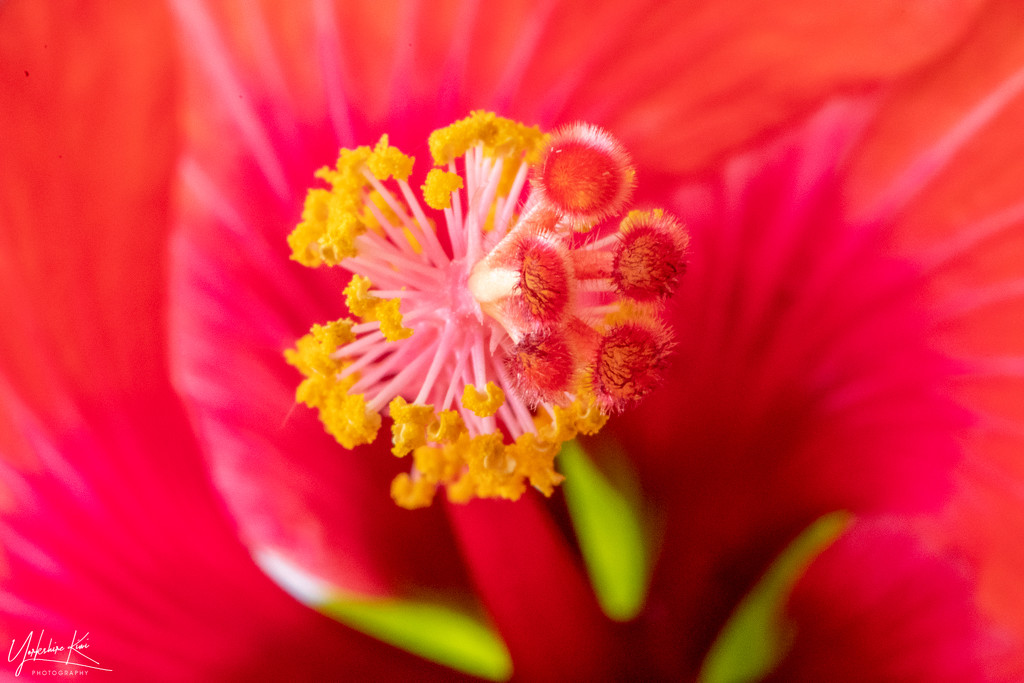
(436, 631)
(606, 516)
(431, 630)
(756, 636)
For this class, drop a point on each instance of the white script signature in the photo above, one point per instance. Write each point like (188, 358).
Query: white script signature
(71, 655)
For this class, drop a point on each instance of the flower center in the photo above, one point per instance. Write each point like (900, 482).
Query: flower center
(498, 321)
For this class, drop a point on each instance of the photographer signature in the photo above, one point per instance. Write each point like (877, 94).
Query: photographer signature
(71, 655)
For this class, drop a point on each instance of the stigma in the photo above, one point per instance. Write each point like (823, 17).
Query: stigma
(516, 306)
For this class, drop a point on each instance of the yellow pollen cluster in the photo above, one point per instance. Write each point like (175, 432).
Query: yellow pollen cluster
(343, 415)
(500, 137)
(332, 335)
(410, 425)
(484, 466)
(438, 188)
(333, 219)
(372, 308)
(483, 404)
(388, 162)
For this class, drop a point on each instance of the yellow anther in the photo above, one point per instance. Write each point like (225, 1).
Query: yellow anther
(563, 428)
(358, 297)
(441, 465)
(338, 242)
(312, 391)
(484, 466)
(389, 162)
(347, 419)
(438, 188)
(344, 416)
(409, 430)
(303, 239)
(588, 416)
(410, 494)
(333, 334)
(311, 358)
(307, 357)
(462, 490)
(448, 427)
(372, 308)
(483, 404)
(499, 137)
(391, 320)
(486, 452)
(349, 167)
(582, 416)
(535, 460)
(333, 219)
(491, 473)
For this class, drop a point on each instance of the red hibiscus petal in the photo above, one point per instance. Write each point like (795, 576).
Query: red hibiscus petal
(87, 155)
(680, 83)
(803, 381)
(946, 152)
(292, 488)
(237, 304)
(710, 76)
(535, 591)
(877, 606)
(289, 85)
(109, 521)
(120, 535)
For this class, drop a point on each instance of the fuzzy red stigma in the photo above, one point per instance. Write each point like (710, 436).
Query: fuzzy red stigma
(541, 366)
(544, 280)
(650, 259)
(630, 361)
(586, 174)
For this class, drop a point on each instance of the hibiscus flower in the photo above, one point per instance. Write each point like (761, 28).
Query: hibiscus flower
(814, 372)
